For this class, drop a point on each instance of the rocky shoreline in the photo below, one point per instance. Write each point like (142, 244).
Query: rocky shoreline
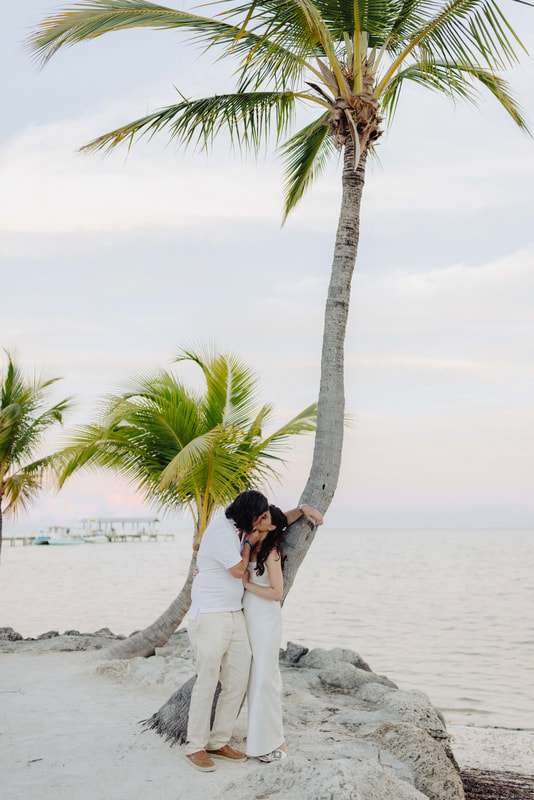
(352, 734)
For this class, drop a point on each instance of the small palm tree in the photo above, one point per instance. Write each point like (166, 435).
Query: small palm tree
(348, 60)
(25, 419)
(185, 449)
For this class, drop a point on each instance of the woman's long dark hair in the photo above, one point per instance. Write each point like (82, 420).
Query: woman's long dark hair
(274, 539)
(245, 508)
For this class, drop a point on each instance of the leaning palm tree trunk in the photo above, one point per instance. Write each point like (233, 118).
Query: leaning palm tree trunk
(170, 721)
(145, 642)
(324, 473)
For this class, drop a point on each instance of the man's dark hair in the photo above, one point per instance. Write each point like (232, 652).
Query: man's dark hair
(245, 508)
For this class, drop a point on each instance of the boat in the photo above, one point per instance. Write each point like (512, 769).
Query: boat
(57, 534)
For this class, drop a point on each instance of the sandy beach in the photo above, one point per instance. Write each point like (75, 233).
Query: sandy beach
(69, 727)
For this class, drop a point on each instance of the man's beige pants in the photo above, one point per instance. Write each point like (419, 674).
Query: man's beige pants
(222, 653)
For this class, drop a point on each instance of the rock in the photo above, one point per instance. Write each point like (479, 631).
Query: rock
(107, 632)
(355, 718)
(180, 635)
(415, 707)
(319, 658)
(293, 653)
(165, 650)
(435, 775)
(9, 635)
(357, 748)
(118, 670)
(48, 635)
(343, 654)
(345, 677)
(72, 633)
(373, 692)
(329, 779)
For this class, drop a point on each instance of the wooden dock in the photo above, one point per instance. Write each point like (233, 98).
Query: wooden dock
(138, 536)
(141, 536)
(24, 540)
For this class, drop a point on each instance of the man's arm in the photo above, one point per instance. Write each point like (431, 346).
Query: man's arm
(311, 514)
(239, 569)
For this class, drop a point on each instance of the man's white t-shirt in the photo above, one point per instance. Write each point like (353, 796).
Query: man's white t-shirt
(215, 588)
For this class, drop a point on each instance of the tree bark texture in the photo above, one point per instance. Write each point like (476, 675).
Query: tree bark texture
(1, 525)
(171, 719)
(324, 472)
(145, 642)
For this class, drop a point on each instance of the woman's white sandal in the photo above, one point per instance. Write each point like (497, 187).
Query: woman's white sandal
(275, 755)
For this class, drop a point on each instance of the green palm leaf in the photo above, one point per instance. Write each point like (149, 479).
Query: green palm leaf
(183, 448)
(350, 49)
(246, 116)
(25, 419)
(306, 155)
(463, 86)
(93, 19)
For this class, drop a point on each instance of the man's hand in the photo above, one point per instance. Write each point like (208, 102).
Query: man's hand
(253, 537)
(312, 515)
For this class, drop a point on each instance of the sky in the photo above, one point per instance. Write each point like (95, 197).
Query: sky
(110, 265)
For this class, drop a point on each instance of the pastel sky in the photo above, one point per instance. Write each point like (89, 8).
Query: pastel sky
(109, 265)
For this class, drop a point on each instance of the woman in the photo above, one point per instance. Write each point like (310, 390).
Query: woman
(264, 585)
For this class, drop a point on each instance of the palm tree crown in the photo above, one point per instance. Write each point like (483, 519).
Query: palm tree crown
(183, 448)
(25, 418)
(349, 60)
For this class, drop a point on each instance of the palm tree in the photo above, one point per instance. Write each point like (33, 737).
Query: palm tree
(349, 62)
(185, 449)
(25, 418)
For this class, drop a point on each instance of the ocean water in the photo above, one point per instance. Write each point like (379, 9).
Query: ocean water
(446, 612)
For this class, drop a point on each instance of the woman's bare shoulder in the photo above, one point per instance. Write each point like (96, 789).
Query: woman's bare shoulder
(273, 557)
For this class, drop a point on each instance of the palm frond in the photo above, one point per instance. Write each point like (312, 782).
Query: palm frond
(92, 19)
(181, 448)
(25, 418)
(20, 490)
(456, 81)
(462, 31)
(305, 155)
(246, 116)
(231, 386)
(304, 422)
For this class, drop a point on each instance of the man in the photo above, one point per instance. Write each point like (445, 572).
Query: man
(217, 628)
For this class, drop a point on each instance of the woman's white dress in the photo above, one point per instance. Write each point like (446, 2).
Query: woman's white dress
(264, 692)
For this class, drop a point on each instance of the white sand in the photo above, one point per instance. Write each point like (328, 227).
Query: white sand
(70, 733)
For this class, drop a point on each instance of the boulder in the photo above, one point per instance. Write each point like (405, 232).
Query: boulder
(293, 653)
(9, 635)
(435, 774)
(415, 707)
(373, 692)
(343, 654)
(345, 677)
(107, 632)
(326, 779)
(48, 635)
(319, 658)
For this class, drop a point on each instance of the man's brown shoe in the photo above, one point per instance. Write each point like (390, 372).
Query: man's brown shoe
(201, 760)
(228, 753)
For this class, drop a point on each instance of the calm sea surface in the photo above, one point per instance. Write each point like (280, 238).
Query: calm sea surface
(447, 612)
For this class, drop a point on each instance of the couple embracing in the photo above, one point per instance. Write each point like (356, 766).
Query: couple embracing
(236, 637)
